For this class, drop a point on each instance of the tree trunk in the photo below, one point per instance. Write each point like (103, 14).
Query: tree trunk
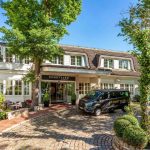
(35, 88)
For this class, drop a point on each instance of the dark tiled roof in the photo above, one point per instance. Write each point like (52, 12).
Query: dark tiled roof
(125, 73)
(94, 54)
(93, 59)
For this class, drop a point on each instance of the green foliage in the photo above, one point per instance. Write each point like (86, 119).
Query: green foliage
(120, 125)
(30, 76)
(129, 110)
(127, 128)
(35, 28)
(46, 97)
(135, 136)
(2, 99)
(3, 115)
(136, 29)
(131, 119)
(39, 25)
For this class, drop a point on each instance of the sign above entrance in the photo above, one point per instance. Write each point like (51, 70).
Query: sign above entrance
(59, 78)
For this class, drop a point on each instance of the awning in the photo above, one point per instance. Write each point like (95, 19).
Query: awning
(76, 71)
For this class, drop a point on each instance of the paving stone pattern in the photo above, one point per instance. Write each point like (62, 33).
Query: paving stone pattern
(63, 130)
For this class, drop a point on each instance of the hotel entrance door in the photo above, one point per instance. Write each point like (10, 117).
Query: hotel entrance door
(58, 91)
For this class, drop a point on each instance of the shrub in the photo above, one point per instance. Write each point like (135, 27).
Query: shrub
(3, 115)
(136, 98)
(129, 110)
(135, 136)
(46, 97)
(131, 119)
(2, 99)
(120, 125)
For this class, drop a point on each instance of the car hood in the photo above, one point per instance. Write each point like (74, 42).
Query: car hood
(86, 100)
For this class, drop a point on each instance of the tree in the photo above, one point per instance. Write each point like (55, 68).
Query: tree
(136, 29)
(35, 28)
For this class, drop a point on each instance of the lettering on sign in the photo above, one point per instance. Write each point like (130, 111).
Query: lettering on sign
(64, 78)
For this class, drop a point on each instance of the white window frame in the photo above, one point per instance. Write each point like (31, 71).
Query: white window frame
(26, 89)
(84, 58)
(26, 60)
(122, 66)
(84, 88)
(76, 60)
(57, 60)
(8, 57)
(107, 61)
(107, 85)
(115, 58)
(129, 87)
(19, 86)
(18, 60)
(9, 84)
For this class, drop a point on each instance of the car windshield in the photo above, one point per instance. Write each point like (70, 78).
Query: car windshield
(93, 94)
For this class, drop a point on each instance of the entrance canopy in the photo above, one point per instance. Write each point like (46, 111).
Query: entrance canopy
(77, 71)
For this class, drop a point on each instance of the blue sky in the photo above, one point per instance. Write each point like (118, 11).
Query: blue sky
(96, 26)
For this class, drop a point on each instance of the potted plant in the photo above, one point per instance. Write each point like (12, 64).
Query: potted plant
(73, 99)
(46, 99)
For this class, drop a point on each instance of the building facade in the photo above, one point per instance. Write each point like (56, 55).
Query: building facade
(77, 72)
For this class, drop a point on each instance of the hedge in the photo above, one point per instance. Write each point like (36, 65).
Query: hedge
(120, 125)
(128, 128)
(135, 136)
(131, 119)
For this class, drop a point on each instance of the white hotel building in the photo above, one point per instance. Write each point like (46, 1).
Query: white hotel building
(78, 71)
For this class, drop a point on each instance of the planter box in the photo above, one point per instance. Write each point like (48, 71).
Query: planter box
(119, 144)
(24, 112)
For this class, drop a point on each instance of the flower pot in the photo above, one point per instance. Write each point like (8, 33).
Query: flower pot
(73, 102)
(46, 103)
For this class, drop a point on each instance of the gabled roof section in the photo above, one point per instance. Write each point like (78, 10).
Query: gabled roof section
(94, 55)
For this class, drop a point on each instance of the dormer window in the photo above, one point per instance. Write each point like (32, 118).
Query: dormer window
(108, 63)
(76, 60)
(124, 64)
(57, 60)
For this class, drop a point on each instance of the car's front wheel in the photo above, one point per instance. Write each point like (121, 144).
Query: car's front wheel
(97, 112)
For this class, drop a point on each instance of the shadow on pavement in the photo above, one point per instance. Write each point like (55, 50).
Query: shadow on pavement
(67, 125)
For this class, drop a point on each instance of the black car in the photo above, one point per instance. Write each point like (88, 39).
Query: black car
(98, 101)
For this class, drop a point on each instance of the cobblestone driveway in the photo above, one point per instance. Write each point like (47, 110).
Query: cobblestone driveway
(64, 130)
